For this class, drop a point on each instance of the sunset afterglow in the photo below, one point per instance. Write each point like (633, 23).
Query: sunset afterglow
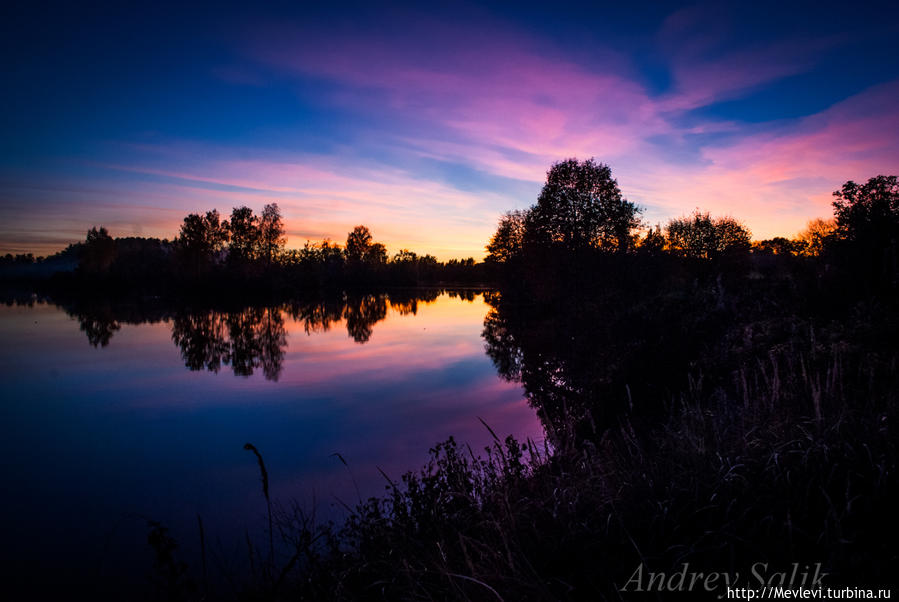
(426, 124)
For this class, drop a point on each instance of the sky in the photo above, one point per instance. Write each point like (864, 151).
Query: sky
(427, 121)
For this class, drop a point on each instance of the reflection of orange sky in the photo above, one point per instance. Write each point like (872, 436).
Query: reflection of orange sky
(442, 331)
(419, 380)
(350, 378)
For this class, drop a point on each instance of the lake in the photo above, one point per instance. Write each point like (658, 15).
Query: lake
(114, 416)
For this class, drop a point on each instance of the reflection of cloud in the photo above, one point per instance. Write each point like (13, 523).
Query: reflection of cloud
(441, 334)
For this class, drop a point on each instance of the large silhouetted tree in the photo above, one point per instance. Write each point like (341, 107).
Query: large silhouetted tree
(357, 243)
(816, 236)
(702, 236)
(244, 235)
(364, 257)
(271, 233)
(200, 239)
(581, 206)
(506, 243)
(375, 254)
(868, 212)
(867, 218)
(99, 251)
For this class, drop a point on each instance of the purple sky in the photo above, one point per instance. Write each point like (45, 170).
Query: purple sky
(427, 123)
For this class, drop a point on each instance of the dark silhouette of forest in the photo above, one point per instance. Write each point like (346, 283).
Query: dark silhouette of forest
(243, 256)
(707, 399)
(596, 317)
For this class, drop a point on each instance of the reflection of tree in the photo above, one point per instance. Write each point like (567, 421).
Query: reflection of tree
(361, 314)
(319, 315)
(100, 319)
(97, 321)
(581, 360)
(502, 346)
(98, 328)
(272, 342)
(201, 337)
(247, 340)
(463, 294)
(406, 302)
(522, 349)
(405, 307)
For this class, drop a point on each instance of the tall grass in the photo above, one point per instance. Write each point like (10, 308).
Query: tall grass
(790, 459)
(786, 455)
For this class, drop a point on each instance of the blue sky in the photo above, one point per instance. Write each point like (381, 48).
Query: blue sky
(426, 122)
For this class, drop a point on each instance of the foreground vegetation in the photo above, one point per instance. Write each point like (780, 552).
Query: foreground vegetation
(708, 402)
(783, 452)
(707, 407)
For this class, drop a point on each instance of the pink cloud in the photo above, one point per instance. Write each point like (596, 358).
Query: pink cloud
(508, 93)
(498, 101)
(776, 182)
(320, 197)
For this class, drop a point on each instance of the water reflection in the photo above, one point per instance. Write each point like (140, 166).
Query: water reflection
(362, 314)
(128, 429)
(544, 352)
(583, 361)
(253, 337)
(246, 340)
(99, 328)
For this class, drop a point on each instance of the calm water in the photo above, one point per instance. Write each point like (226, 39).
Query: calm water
(108, 420)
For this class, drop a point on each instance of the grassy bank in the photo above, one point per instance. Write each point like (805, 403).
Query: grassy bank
(784, 455)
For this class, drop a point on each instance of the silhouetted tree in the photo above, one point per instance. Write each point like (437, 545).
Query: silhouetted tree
(201, 238)
(375, 255)
(780, 246)
(357, 243)
(817, 235)
(271, 233)
(701, 236)
(99, 251)
(867, 218)
(868, 212)
(365, 259)
(653, 243)
(581, 206)
(404, 267)
(244, 227)
(506, 243)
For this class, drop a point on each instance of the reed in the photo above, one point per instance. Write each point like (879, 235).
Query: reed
(268, 502)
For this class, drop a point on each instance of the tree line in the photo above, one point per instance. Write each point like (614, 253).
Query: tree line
(581, 216)
(218, 253)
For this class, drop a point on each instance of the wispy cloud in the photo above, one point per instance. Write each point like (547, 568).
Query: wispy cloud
(445, 123)
(777, 180)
